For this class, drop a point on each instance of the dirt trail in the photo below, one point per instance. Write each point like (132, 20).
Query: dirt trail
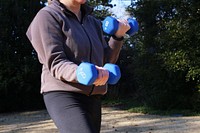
(113, 121)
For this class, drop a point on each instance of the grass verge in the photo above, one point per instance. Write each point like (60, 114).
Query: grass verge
(136, 107)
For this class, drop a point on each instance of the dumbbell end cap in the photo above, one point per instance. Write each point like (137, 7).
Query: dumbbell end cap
(114, 73)
(134, 26)
(110, 25)
(86, 73)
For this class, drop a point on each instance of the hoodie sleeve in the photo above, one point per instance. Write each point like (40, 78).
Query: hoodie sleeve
(47, 38)
(112, 48)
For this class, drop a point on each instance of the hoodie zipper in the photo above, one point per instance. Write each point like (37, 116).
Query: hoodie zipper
(90, 59)
(67, 12)
(90, 54)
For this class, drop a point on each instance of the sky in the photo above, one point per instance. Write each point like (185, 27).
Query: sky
(119, 8)
(124, 3)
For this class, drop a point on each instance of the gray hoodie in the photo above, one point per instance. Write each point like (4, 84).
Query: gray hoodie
(62, 42)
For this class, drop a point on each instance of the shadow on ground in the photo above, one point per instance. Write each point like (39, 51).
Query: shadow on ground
(113, 121)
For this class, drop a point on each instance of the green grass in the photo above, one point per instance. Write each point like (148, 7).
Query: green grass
(136, 107)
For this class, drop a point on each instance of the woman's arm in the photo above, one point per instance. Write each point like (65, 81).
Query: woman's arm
(47, 38)
(115, 43)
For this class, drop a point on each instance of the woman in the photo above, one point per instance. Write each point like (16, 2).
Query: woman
(64, 34)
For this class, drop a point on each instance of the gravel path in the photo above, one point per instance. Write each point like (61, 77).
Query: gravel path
(113, 121)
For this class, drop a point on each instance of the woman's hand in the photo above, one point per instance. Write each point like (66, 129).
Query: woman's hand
(103, 76)
(123, 28)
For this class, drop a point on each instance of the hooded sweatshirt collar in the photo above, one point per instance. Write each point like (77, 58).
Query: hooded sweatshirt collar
(85, 9)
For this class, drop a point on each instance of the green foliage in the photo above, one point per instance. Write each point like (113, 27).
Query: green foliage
(20, 70)
(166, 65)
(131, 105)
(180, 40)
(100, 14)
(160, 64)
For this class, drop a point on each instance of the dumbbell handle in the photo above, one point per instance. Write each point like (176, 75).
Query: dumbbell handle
(87, 73)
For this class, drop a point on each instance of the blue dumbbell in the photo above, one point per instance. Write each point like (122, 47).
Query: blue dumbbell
(110, 25)
(87, 73)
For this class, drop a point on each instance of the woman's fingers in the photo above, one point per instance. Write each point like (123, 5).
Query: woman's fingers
(123, 27)
(103, 76)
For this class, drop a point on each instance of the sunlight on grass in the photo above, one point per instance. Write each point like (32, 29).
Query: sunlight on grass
(134, 107)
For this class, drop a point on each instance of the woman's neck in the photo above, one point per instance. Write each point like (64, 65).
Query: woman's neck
(73, 7)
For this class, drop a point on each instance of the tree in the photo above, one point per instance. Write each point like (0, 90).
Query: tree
(166, 63)
(19, 74)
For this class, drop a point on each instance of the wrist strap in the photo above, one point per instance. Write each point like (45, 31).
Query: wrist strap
(116, 38)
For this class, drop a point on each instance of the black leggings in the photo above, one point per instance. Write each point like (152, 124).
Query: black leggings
(73, 112)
